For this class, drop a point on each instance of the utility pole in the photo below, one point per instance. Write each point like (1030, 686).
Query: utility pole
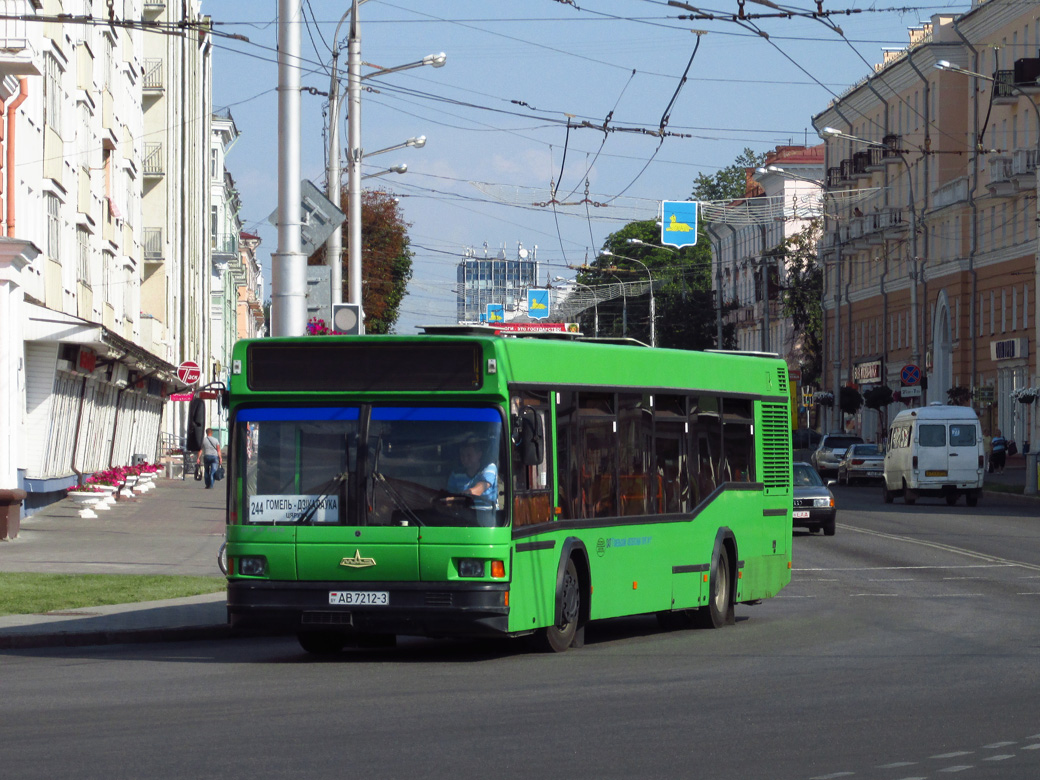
(289, 264)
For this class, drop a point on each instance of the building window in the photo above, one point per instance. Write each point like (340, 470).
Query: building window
(83, 255)
(52, 93)
(53, 226)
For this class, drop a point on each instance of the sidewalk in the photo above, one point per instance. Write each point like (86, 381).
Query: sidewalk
(177, 528)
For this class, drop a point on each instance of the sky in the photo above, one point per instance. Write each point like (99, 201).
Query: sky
(520, 106)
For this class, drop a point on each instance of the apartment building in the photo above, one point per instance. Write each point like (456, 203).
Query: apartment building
(781, 198)
(934, 269)
(103, 245)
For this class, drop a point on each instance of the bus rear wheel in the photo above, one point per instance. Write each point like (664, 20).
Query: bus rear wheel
(719, 611)
(559, 637)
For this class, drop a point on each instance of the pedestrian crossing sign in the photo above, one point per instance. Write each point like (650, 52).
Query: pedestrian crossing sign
(679, 223)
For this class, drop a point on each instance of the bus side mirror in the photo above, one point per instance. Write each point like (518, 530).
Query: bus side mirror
(528, 437)
(196, 423)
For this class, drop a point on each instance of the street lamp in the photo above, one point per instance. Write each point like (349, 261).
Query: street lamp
(828, 133)
(418, 142)
(787, 174)
(653, 306)
(400, 168)
(946, 65)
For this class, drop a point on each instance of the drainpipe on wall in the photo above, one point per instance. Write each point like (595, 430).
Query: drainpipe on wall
(12, 123)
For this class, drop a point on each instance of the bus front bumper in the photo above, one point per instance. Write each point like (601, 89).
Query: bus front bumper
(413, 608)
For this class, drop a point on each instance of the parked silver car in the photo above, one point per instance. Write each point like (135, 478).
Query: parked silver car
(861, 463)
(830, 451)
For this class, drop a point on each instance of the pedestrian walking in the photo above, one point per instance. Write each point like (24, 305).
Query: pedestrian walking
(998, 452)
(211, 457)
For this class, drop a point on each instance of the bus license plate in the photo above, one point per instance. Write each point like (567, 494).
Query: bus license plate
(356, 598)
(801, 514)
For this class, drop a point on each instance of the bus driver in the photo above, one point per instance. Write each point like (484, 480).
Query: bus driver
(474, 476)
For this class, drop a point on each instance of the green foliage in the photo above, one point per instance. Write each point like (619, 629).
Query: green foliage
(959, 396)
(684, 304)
(802, 298)
(728, 183)
(386, 259)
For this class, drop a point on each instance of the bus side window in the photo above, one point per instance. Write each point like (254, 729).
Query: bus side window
(532, 488)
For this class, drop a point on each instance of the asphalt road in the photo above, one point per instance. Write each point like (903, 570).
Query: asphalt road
(907, 646)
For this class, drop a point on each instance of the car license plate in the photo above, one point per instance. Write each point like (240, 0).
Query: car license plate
(801, 514)
(874, 474)
(935, 473)
(359, 598)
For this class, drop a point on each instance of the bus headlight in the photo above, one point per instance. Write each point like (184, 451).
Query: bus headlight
(471, 567)
(252, 566)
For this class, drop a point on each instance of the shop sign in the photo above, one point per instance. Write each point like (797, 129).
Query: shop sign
(868, 372)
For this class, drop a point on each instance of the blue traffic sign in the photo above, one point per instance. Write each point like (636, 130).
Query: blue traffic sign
(496, 312)
(910, 375)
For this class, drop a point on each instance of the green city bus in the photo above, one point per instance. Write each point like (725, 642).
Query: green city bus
(464, 483)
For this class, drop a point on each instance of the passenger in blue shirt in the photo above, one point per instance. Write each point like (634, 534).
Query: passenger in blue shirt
(474, 476)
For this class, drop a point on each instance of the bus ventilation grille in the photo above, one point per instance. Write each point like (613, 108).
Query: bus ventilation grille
(439, 599)
(325, 619)
(776, 446)
(782, 375)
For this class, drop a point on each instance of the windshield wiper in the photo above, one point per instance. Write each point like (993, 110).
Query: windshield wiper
(395, 497)
(312, 508)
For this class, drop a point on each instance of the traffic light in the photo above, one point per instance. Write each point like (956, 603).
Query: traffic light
(346, 319)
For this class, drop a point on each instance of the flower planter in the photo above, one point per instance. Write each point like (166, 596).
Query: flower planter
(108, 498)
(85, 500)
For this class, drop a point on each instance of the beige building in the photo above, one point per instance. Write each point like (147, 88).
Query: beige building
(102, 258)
(932, 269)
(782, 197)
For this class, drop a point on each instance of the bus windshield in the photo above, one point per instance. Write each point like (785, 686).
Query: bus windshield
(372, 465)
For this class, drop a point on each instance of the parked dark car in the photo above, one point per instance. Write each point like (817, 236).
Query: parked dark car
(813, 501)
(805, 439)
(861, 463)
(828, 453)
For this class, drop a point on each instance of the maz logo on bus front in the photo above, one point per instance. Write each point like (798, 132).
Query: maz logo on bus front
(357, 562)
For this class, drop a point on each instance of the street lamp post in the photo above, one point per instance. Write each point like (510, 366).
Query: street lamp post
(1031, 457)
(653, 307)
(355, 153)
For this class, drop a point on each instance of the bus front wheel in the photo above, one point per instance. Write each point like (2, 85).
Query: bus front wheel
(559, 637)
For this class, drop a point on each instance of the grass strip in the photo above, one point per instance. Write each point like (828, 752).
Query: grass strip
(31, 593)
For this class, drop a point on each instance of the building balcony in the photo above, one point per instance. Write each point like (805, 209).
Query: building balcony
(153, 8)
(1001, 175)
(1023, 168)
(18, 57)
(154, 83)
(154, 248)
(892, 153)
(154, 163)
(950, 194)
(224, 244)
(861, 164)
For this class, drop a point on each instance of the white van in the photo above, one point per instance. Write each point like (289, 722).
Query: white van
(935, 451)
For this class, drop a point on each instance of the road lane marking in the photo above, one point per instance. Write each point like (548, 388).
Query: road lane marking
(955, 754)
(958, 768)
(945, 547)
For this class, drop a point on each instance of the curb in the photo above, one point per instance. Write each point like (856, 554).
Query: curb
(117, 637)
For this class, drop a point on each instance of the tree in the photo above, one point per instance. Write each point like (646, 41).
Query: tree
(878, 398)
(802, 298)
(386, 259)
(729, 183)
(683, 298)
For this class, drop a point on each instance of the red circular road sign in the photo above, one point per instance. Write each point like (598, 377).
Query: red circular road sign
(189, 372)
